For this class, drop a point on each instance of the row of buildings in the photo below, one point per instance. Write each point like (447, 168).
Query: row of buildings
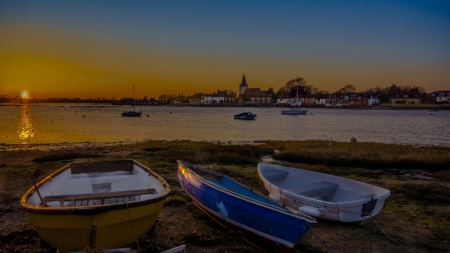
(256, 96)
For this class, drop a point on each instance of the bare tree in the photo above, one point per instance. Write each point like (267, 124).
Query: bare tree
(349, 88)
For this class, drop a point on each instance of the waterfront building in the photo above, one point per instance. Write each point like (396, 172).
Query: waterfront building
(321, 99)
(349, 99)
(307, 100)
(166, 99)
(195, 99)
(442, 96)
(253, 95)
(283, 99)
(406, 98)
(218, 97)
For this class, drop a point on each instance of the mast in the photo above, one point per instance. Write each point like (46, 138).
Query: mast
(134, 107)
(297, 89)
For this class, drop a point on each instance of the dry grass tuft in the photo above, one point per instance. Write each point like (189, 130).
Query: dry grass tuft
(366, 155)
(430, 193)
(58, 156)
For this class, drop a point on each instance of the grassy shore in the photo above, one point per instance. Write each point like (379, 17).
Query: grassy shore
(415, 218)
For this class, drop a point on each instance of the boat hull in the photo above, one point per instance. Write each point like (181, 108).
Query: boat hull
(131, 114)
(265, 228)
(113, 229)
(114, 216)
(294, 112)
(245, 118)
(368, 202)
(350, 213)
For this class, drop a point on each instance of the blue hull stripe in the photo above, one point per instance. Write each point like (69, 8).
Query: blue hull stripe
(244, 227)
(262, 220)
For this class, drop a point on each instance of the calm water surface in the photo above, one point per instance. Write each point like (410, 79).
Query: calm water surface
(43, 124)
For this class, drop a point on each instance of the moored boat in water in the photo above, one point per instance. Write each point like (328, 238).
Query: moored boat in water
(245, 116)
(321, 195)
(132, 113)
(95, 204)
(265, 224)
(294, 111)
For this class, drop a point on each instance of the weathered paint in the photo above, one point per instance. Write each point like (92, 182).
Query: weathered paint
(268, 226)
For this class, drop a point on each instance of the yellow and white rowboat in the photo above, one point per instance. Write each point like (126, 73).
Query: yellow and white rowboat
(95, 204)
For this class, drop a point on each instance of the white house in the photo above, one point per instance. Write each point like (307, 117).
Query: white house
(321, 99)
(373, 100)
(207, 99)
(283, 99)
(443, 96)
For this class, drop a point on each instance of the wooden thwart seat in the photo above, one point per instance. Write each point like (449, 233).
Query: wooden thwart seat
(102, 195)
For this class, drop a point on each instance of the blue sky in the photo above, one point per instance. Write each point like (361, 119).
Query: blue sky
(202, 46)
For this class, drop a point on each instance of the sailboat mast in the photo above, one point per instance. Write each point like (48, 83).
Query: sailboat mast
(134, 107)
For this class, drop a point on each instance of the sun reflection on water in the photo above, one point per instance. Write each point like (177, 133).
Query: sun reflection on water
(25, 130)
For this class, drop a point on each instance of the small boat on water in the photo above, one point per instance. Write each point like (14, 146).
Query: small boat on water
(321, 195)
(265, 224)
(294, 111)
(133, 113)
(97, 204)
(245, 115)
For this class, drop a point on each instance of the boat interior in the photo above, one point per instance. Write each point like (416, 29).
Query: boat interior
(229, 184)
(98, 183)
(320, 186)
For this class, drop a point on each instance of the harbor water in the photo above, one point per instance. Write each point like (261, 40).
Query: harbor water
(81, 123)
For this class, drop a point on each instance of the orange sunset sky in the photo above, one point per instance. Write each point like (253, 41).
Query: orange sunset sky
(99, 49)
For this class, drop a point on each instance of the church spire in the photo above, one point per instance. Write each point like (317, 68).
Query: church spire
(244, 82)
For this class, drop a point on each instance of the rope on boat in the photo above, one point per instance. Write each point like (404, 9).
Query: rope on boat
(371, 217)
(320, 240)
(92, 235)
(170, 185)
(91, 248)
(131, 223)
(18, 211)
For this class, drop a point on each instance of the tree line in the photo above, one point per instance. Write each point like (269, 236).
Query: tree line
(290, 88)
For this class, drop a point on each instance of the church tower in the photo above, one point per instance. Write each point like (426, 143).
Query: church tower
(243, 86)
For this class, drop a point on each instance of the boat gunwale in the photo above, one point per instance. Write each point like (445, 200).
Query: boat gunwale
(360, 201)
(279, 208)
(89, 210)
(332, 204)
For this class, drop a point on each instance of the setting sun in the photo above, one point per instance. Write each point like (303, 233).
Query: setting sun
(24, 94)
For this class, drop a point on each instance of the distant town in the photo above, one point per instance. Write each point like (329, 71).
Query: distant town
(294, 91)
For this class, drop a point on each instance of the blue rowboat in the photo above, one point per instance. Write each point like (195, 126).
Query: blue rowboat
(262, 222)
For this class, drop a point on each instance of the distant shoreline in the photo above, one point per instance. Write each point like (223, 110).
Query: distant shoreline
(376, 107)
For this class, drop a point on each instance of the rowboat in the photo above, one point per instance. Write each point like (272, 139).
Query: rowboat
(265, 224)
(104, 204)
(321, 195)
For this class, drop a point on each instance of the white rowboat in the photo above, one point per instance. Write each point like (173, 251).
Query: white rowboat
(321, 195)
